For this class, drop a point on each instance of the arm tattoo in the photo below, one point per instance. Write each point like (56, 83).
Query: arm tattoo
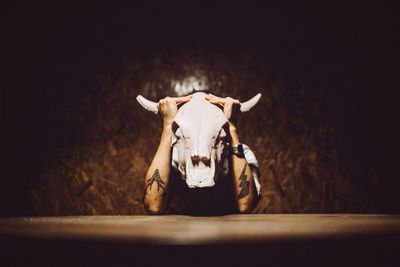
(244, 184)
(155, 178)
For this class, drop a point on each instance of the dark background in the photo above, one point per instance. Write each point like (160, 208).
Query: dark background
(52, 54)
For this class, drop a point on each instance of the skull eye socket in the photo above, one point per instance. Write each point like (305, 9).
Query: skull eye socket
(225, 127)
(175, 127)
(220, 138)
(177, 131)
(222, 133)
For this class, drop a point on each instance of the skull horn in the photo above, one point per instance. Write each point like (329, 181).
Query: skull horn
(147, 104)
(249, 104)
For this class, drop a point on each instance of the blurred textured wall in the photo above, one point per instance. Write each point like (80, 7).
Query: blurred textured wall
(75, 140)
(103, 171)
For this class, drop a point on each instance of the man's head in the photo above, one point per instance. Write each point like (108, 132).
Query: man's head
(199, 134)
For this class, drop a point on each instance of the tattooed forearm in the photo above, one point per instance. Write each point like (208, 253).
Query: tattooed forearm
(244, 184)
(155, 178)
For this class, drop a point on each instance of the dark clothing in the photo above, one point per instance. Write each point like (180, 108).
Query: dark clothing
(216, 200)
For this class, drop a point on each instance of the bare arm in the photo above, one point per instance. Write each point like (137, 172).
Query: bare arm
(157, 177)
(157, 184)
(243, 180)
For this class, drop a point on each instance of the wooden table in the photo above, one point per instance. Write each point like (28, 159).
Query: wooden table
(231, 239)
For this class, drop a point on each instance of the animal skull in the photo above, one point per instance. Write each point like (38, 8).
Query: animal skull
(199, 134)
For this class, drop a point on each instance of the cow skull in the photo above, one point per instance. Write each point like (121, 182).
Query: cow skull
(199, 134)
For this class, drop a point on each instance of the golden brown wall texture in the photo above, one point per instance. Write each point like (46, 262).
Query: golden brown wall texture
(102, 171)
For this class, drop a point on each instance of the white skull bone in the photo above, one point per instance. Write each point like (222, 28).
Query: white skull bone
(199, 135)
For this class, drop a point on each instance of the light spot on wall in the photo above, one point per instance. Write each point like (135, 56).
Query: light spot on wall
(190, 84)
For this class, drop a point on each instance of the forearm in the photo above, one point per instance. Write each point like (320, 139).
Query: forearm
(243, 180)
(157, 177)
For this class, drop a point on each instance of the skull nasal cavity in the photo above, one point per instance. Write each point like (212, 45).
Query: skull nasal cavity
(197, 159)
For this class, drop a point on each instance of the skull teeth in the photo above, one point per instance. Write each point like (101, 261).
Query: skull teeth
(200, 175)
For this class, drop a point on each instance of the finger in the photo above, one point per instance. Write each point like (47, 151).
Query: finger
(233, 100)
(217, 99)
(217, 103)
(183, 99)
(211, 96)
(224, 100)
(164, 100)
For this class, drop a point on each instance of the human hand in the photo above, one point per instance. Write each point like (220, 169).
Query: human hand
(231, 107)
(168, 108)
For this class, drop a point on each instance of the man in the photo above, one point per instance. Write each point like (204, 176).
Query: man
(236, 191)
